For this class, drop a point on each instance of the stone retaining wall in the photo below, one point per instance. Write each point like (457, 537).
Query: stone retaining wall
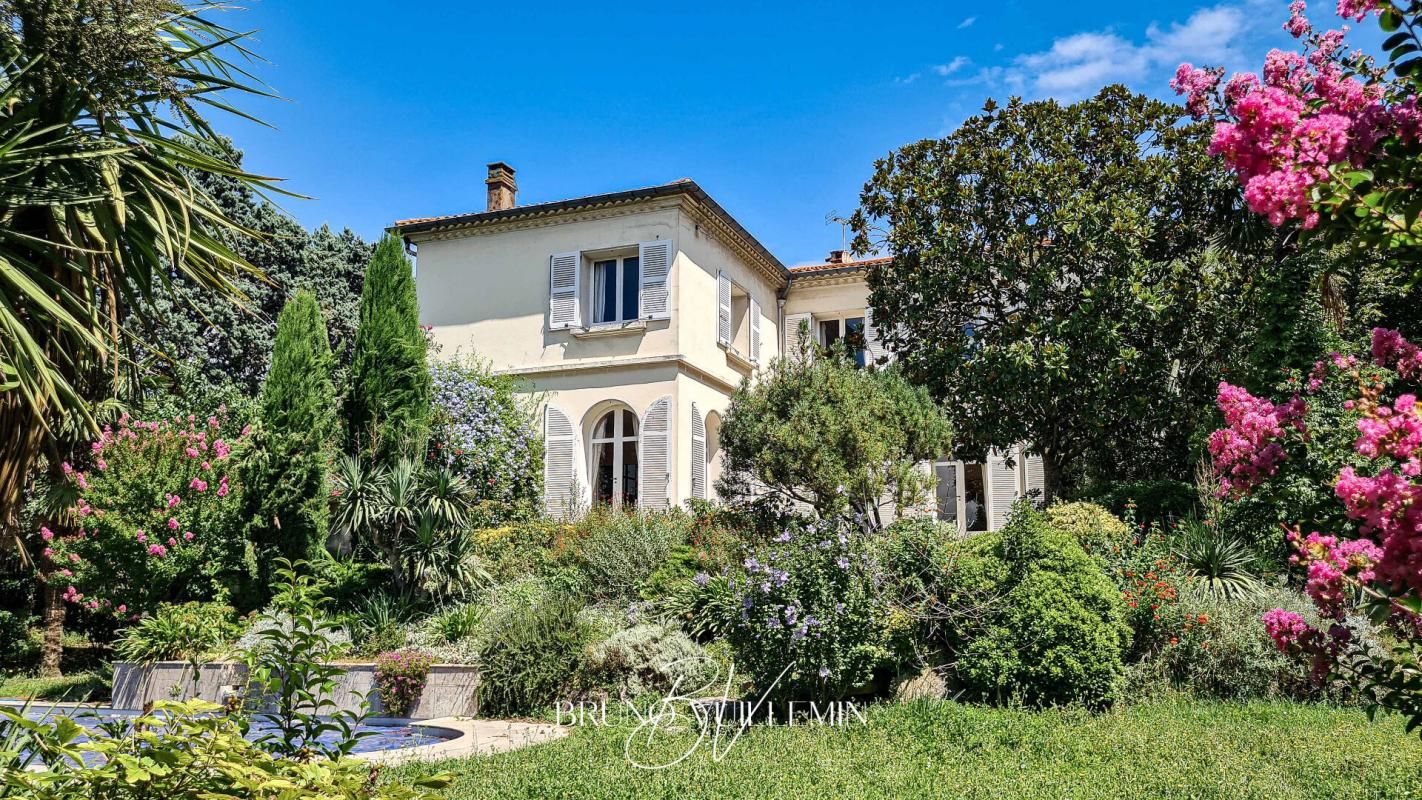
(451, 690)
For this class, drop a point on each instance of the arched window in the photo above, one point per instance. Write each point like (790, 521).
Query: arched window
(614, 458)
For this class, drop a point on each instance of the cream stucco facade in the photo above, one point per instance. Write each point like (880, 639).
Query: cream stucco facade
(634, 316)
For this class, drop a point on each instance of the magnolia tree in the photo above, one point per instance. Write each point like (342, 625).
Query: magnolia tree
(1328, 141)
(156, 519)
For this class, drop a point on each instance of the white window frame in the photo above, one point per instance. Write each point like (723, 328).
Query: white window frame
(618, 438)
(620, 268)
(961, 495)
(843, 317)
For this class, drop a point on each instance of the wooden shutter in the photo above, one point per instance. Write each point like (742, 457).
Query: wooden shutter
(654, 456)
(790, 337)
(754, 331)
(1002, 490)
(1034, 479)
(655, 259)
(698, 454)
(564, 290)
(723, 308)
(559, 463)
(874, 348)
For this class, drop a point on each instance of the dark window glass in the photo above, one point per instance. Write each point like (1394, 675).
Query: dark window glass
(829, 332)
(854, 338)
(631, 287)
(605, 291)
(975, 512)
(947, 492)
(602, 483)
(629, 474)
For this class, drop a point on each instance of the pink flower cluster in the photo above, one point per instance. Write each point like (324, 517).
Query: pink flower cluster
(1330, 561)
(1391, 350)
(1249, 449)
(1284, 135)
(1287, 628)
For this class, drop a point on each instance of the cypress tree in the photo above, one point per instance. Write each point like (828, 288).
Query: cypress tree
(286, 475)
(387, 411)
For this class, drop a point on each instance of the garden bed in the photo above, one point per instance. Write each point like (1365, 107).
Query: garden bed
(451, 690)
(1167, 749)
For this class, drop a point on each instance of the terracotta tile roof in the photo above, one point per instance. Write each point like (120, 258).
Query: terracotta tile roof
(831, 266)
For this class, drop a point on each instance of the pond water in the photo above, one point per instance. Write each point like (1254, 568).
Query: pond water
(373, 737)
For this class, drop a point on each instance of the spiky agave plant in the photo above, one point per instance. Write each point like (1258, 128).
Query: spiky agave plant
(1223, 565)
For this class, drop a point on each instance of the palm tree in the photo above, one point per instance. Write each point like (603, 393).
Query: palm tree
(102, 128)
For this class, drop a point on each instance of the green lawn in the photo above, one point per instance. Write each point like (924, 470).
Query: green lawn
(76, 687)
(1169, 749)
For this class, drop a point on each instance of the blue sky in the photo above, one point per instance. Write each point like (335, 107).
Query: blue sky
(777, 109)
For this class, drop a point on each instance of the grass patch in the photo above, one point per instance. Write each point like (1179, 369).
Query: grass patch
(77, 687)
(1168, 749)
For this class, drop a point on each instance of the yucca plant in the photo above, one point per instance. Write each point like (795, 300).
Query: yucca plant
(1223, 565)
(104, 124)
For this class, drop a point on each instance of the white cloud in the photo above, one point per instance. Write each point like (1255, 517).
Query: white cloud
(967, 23)
(1079, 64)
(907, 79)
(944, 70)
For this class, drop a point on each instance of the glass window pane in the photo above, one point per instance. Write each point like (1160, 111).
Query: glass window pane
(854, 337)
(602, 472)
(605, 291)
(603, 428)
(631, 287)
(629, 424)
(829, 332)
(629, 473)
(975, 512)
(947, 492)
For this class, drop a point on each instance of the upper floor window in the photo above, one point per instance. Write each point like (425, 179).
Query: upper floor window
(610, 287)
(737, 319)
(850, 330)
(617, 287)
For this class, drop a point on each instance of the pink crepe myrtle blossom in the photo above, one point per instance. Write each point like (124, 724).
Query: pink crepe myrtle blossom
(187, 536)
(46, 534)
(1356, 10)
(1249, 449)
(198, 484)
(1298, 25)
(157, 550)
(172, 523)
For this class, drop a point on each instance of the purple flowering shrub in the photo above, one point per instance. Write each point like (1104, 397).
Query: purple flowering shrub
(480, 429)
(157, 518)
(811, 620)
(400, 679)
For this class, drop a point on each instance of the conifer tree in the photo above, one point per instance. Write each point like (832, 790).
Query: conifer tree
(387, 410)
(286, 473)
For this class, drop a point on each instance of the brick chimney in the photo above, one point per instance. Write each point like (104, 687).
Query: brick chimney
(502, 187)
(839, 257)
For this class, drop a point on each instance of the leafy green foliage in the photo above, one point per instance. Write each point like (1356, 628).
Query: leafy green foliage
(285, 473)
(535, 659)
(290, 678)
(1146, 500)
(813, 623)
(179, 751)
(1055, 274)
(649, 658)
(1097, 530)
(1058, 635)
(1221, 564)
(192, 631)
(622, 548)
(16, 649)
(388, 409)
(820, 431)
(400, 680)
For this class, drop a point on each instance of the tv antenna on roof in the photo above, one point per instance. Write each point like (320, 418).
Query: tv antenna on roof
(843, 222)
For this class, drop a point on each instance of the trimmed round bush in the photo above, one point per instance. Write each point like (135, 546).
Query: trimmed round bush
(1057, 633)
(1097, 530)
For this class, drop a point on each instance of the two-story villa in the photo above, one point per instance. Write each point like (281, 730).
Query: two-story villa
(635, 315)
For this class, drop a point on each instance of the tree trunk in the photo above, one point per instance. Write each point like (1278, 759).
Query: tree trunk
(1051, 476)
(53, 648)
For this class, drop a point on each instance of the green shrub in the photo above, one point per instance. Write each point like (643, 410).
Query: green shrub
(1150, 501)
(180, 751)
(705, 606)
(1221, 564)
(813, 623)
(649, 658)
(16, 648)
(186, 631)
(1057, 634)
(534, 660)
(619, 550)
(1097, 530)
(1224, 653)
(347, 583)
